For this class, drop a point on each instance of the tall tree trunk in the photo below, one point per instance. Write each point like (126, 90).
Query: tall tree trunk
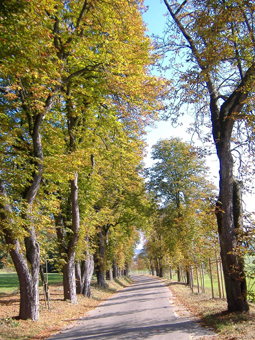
(69, 268)
(28, 278)
(126, 270)
(152, 267)
(234, 275)
(69, 279)
(109, 274)
(79, 277)
(84, 272)
(88, 273)
(160, 271)
(238, 223)
(114, 269)
(29, 274)
(188, 275)
(170, 273)
(28, 281)
(178, 275)
(100, 260)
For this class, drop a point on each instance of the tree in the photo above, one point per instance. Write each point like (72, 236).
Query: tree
(218, 42)
(178, 180)
(56, 54)
(23, 106)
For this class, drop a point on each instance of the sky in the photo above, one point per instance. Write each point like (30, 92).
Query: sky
(155, 19)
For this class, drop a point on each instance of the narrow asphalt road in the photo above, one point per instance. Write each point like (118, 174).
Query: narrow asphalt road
(140, 311)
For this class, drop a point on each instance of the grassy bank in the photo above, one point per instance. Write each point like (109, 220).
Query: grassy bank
(61, 315)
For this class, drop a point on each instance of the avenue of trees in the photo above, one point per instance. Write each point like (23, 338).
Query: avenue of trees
(76, 93)
(184, 230)
(217, 41)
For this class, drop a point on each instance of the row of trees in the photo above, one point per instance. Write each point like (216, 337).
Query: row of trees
(211, 46)
(184, 230)
(76, 93)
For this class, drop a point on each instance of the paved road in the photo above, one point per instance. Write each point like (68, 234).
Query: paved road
(140, 311)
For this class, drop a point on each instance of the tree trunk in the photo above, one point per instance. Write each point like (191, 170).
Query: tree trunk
(78, 277)
(178, 275)
(69, 268)
(126, 270)
(83, 273)
(188, 276)
(234, 276)
(111, 274)
(88, 272)
(28, 278)
(152, 268)
(114, 269)
(69, 279)
(100, 260)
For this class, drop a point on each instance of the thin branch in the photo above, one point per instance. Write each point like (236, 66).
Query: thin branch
(81, 13)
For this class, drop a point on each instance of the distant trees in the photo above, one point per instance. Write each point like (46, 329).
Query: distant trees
(182, 231)
(75, 92)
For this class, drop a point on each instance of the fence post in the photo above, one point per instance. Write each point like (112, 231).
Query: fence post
(198, 287)
(222, 280)
(218, 276)
(211, 277)
(191, 279)
(202, 278)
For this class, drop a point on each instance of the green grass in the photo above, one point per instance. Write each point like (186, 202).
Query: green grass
(9, 282)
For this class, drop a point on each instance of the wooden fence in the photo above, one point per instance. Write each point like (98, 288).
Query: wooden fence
(197, 278)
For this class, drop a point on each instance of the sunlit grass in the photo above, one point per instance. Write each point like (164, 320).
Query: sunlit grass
(9, 282)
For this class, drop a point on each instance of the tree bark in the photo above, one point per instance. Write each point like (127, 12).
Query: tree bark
(114, 269)
(69, 279)
(188, 276)
(88, 272)
(126, 270)
(178, 275)
(69, 267)
(78, 277)
(160, 271)
(29, 278)
(100, 260)
(110, 274)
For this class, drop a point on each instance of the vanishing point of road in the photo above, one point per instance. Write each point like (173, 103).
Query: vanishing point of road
(140, 311)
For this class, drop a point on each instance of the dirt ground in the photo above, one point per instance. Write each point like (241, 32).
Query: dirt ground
(62, 314)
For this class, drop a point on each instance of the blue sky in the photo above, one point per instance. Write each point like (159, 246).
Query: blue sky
(155, 18)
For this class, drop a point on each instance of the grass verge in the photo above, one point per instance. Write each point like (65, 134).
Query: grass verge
(61, 315)
(212, 313)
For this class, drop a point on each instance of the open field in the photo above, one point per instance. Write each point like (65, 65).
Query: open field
(207, 280)
(9, 281)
